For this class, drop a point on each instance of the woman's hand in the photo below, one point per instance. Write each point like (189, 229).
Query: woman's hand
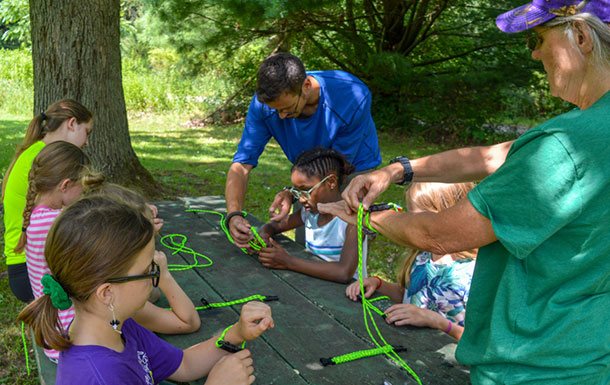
(280, 208)
(365, 188)
(339, 209)
(255, 318)
(232, 369)
(370, 285)
(274, 257)
(407, 314)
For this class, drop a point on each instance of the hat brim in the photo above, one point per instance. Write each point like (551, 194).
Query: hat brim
(523, 18)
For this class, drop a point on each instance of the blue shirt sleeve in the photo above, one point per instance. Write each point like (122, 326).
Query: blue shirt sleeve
(255, 136)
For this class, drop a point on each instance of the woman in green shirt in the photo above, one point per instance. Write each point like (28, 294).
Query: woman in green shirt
(540, 293)
(66, 120)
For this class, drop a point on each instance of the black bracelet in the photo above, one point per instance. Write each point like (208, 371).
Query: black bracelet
(408, 170)
(233, 214)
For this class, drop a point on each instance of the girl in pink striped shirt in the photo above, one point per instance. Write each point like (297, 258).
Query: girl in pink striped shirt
(56, 179)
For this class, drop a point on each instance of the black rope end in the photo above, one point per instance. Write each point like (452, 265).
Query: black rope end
(327, 361)
(269, 298)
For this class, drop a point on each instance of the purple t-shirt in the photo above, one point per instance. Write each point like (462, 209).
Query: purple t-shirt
(146, 359)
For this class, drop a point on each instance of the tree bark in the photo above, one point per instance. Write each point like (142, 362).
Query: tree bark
(76, 54)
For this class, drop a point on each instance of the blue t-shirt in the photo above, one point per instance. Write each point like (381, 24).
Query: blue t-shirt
(342, 121)
(146, 359)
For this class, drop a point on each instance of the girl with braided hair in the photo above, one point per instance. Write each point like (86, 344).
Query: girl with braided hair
(58, 176)
(66, 120)
(316, 177)
(101, 253)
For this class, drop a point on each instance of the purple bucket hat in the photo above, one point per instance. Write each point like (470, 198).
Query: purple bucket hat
(540, 11)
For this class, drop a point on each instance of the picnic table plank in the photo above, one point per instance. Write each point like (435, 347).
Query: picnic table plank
(303, 332)
(213, 321)
(431, 353)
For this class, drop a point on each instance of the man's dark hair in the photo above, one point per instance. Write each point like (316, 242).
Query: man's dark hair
(279, 73)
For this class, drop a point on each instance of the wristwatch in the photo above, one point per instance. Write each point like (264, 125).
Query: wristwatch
(408, 170)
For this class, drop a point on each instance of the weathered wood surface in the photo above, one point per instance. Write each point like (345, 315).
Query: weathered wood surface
(313, 317)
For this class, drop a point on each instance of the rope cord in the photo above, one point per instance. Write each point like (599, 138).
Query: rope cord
(221, 339)
(257, 243)
(263, 298)
(25, 348)
(367, 308)
(180, 246)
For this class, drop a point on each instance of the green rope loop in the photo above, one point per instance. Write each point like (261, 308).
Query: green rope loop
(25, 348)
(59, 297)
(256, 246)
(222, 338)
(231, 303)
(180, 246)
(367, 308)
(367, 219)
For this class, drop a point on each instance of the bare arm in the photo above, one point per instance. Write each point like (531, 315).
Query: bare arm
(182, 318)
(441, 233)
(198, 360)
(460, 165)
(235, 193)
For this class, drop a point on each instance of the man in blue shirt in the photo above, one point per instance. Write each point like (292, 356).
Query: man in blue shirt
(301, 110)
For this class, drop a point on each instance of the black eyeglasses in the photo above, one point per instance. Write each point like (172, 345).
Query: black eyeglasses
(155, 273)
(531, 41)
(296, 106)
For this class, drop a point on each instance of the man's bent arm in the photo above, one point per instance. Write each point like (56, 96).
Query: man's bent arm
(236, 186)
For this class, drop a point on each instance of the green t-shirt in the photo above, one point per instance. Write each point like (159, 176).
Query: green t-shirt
(539, 306)
(14, 202)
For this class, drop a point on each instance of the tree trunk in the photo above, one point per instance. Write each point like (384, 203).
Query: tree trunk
(76, 54)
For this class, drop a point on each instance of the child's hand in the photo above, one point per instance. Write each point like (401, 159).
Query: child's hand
(353, 290)
(157, 222)
(338, 209)
(161, 259)
(407, 314)
(255, 318)
(232, 369)
(274, 257)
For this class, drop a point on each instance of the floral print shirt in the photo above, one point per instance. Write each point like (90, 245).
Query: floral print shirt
(440, 288)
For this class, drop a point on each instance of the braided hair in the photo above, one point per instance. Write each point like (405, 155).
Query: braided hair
(56, 162)
(321, 161)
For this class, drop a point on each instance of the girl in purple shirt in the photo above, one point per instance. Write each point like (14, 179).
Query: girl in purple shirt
(100, 253)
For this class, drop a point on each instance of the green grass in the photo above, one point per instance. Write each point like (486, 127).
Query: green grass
(193, 161)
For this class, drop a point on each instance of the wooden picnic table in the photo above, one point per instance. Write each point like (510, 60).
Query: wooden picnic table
(313, 318)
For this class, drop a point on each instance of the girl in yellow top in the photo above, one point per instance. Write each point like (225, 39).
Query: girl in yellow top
(66, 120)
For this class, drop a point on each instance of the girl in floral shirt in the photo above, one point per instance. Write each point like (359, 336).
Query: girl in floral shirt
(432, 290)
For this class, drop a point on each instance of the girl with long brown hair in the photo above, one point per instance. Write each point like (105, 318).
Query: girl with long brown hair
(65, 120)
(432, 290)
(101, 256)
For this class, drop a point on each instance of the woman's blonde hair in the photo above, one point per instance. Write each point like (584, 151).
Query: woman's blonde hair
(48, 121)
(122, 194)
(433, 197)
(55, 163)
(91, 241)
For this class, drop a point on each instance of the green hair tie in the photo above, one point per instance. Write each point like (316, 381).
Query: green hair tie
(59, 297)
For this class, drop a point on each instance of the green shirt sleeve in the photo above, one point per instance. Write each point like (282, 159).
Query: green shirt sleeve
(533, 195)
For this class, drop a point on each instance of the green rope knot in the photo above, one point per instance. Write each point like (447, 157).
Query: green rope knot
(59, 297)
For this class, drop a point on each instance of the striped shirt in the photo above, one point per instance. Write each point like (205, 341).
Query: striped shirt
(40, 223)
(327, 241)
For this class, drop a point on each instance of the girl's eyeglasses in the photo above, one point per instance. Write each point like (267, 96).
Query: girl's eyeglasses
(155, 273)
(306, 194)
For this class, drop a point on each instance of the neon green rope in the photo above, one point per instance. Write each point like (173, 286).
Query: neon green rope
(256, 245)
(231, 303)
(362, 354)
(25, 348)
(367, 306)
(180, 246)
(222, 336)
